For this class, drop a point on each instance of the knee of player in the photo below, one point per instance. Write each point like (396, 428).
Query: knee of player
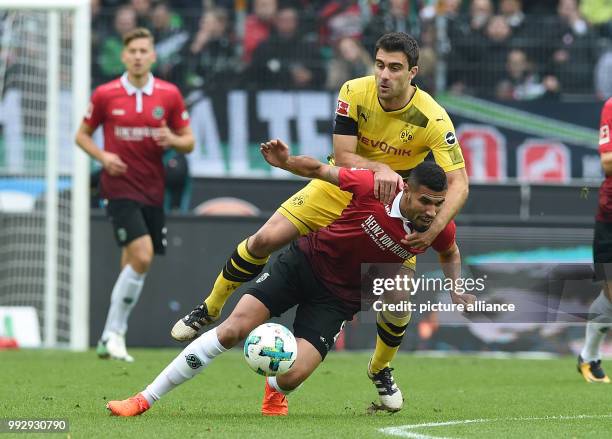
(141, 261)
(292, 379)
(262, 243)
(228, 335)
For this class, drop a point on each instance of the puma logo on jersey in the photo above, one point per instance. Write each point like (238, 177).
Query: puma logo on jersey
(365, 118)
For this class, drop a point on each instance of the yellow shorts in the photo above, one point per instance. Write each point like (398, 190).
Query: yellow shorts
(317, 205)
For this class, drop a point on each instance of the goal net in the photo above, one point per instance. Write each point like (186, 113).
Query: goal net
(44, 87)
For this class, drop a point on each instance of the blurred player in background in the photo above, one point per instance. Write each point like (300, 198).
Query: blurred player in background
(600, 312)
(321, 274)
(383, 123)
(142, 117)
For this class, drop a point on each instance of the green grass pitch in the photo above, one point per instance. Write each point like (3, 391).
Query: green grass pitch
(500, 398)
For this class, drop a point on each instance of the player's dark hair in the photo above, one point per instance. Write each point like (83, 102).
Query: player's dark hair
(136, 34)
(400, 42)
(429, 174)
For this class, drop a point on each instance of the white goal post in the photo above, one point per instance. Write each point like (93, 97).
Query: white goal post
(44, 251)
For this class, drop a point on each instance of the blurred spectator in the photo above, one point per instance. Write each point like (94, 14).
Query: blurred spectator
(350, 61)
(575, 50)
(393, 16)
(341, 18)
(495, 51)
(169, 41)
(109, 57)
(480, 13)
(466, 34)
(285, 60)
(211, 59)
(257, 26)
(512, 11)
(522, 81)
(143, 12)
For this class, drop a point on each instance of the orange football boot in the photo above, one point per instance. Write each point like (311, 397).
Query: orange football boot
(274, 403)
(134, 406)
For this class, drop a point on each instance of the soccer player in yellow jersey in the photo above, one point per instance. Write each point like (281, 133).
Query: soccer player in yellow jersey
(383, 123)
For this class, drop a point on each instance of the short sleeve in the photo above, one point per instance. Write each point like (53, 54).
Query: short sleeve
(345, 122)
(359, 182)
(445, 238)
(444, 145)
(346, 105)
(179, 116)
(605, 144)
(94, 115)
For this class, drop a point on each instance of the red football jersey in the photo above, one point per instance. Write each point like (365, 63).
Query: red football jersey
(604, 213)
(368, 231)
(130, 117)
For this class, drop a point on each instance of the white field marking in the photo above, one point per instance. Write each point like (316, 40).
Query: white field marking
(405, 430)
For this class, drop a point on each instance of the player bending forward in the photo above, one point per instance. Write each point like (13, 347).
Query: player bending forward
(320, 273)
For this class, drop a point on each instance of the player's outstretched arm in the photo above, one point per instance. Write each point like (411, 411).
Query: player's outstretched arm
(450, 260)
(386, 180)
(276, 153)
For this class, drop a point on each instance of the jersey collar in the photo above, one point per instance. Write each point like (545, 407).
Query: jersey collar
(131, 90)
(396, 212)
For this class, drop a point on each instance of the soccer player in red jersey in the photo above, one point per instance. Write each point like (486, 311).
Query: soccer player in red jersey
(142, 116)
(600, 312)
(320, 273)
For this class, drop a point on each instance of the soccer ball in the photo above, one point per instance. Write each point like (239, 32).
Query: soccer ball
(270, 349)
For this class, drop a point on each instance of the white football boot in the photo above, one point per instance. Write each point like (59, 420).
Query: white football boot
(115, 347)
(390, 396)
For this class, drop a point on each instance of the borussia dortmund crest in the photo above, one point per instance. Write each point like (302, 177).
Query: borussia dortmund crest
(158, 112)
(406, 135)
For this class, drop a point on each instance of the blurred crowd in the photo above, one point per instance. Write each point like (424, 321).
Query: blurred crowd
(504, 49)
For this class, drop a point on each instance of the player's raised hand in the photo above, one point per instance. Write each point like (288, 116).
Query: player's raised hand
(419, 240)
(386, 183)
(163, 136)
(113, 164)
(275, 152)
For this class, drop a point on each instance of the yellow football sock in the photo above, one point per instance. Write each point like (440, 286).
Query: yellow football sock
(240, 267)
(391, 331)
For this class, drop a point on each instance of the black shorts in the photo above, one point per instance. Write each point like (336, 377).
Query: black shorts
(602, 251)
(320, 315)
(132, 220)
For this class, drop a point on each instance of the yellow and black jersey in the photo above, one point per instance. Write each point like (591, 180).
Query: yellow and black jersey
(402, 138)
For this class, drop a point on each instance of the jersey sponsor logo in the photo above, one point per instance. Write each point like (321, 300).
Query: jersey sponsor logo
(89, 110)
(185, 115)
(383, 146)
(118, 112)
(450, 138)
(371, 227)
(263, 277)
(343, 108)
(135, 134)
(158, 112)
(604, 134)
(406, 135)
